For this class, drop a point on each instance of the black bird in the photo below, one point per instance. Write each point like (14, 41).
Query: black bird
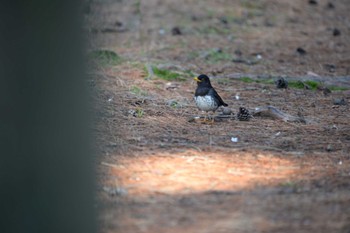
(207, 99)
(243, 114)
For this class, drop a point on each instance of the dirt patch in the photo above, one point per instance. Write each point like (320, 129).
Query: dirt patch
(158, 172)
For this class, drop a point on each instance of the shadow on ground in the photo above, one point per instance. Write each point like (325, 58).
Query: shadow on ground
(226, 191)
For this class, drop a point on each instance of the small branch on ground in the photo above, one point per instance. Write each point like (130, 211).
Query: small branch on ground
(271, 111)
(265, 111)
(216, 118)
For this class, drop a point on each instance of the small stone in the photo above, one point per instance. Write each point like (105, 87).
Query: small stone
(313, 2)
(118, 24)
(329, 148)
(341, 101)
(329, 67)
(301, 51)
(326, 91)
(175, 31)
(330, 5)
(336, 32)
(132, 112)
(281, 83)
(226, 111)
(223, 20)
(238, 52)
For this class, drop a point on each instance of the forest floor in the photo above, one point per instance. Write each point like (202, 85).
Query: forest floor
(159, 172)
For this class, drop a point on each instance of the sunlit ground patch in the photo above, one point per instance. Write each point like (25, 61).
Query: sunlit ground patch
(192, 171)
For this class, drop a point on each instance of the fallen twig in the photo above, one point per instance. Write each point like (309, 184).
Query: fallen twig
(271, 111)
(216, 118)
(265, 111)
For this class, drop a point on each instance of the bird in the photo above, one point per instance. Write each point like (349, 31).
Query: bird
(243, 114)
(206, 97)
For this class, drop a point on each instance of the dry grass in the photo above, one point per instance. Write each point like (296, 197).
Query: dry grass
(158, 172)
(166, 174)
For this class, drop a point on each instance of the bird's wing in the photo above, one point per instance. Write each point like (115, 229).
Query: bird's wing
(216, 96)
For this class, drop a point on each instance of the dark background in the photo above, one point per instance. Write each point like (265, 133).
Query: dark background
(45, 160)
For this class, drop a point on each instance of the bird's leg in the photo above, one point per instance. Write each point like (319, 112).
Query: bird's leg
(209, 118)
(212, 119)
(206, 118)
(202, 117)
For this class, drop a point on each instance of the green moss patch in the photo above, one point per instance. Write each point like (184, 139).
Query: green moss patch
(336, 88)
(217, 55)
(105, 57)
(247, 80)
(250, 80)
(167, 74)
(308, 84)
(138, 91)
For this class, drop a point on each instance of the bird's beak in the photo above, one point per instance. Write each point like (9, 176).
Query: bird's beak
(197, 79)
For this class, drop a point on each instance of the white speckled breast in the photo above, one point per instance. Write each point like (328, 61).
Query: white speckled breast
(206, 103)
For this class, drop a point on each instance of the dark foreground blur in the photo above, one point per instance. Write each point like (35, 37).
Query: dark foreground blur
(45, 161)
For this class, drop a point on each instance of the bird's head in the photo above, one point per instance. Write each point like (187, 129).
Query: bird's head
(202, 80)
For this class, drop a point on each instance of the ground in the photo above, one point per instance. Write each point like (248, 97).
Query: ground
(159, 172)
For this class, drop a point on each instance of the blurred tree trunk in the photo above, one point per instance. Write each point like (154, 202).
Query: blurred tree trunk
(46, 170)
